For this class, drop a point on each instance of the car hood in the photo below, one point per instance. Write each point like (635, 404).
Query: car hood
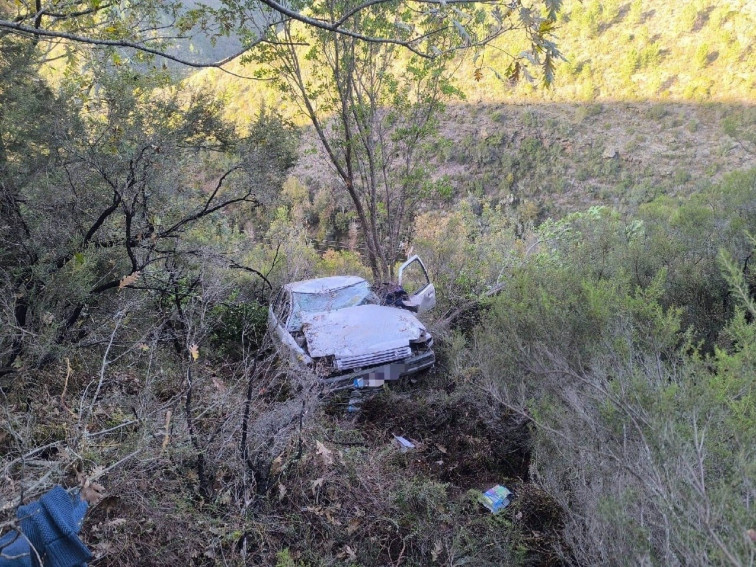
(359, 330)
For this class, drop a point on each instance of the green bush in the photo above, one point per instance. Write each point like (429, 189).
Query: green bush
(240, 325)
(627, 343)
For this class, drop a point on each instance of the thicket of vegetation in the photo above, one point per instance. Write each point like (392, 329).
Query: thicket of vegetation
(628, 344)
(597, 354)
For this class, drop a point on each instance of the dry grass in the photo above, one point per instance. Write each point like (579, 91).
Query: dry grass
(338, 491)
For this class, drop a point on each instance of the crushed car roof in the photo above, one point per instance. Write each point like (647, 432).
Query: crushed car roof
(321, 285)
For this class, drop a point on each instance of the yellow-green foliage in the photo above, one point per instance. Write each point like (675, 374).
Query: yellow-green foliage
(465, 252)
(643, 50)
(648, 49)
(623, 338)
(297, 197)
(342, 262)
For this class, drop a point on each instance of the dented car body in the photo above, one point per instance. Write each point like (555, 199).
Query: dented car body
(347, 333)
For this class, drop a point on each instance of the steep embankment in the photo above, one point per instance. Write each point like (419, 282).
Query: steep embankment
(653, 98)
(555, 158)
(563, 157)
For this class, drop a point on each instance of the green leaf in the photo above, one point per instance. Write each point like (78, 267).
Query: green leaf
(552, 8)
(546, 27)
(548, 70)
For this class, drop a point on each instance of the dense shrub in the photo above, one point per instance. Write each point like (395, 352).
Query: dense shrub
(627, 345)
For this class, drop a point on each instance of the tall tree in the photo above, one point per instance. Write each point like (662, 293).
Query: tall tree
(375, 106)
(373, 114)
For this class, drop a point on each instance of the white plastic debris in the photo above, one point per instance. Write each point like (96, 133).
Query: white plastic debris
(404, 444)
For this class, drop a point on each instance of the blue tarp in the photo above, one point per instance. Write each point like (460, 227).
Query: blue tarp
(52, 526)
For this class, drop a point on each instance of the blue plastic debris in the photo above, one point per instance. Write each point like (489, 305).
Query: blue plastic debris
(369, 382)
(496, 498)
(51, 525)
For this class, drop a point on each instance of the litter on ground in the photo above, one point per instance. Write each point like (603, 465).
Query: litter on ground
(496, 498)
(404, 444)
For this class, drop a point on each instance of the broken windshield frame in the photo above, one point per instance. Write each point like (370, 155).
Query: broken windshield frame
(332, 300)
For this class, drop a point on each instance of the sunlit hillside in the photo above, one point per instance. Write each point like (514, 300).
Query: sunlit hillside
(652, 98)
(649, 49)
(615, 50)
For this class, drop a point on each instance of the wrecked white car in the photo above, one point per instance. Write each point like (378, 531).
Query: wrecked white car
(352, 335)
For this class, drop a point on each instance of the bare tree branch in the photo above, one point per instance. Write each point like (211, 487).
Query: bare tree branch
(21, 29)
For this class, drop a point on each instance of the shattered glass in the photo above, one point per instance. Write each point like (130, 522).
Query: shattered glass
(357, 294)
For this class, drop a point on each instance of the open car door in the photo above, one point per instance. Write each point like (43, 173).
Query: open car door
(413, 277)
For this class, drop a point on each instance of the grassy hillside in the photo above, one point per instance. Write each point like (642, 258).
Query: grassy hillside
(640, 50)
(649, 49)
(556, 158)
(653, 98)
